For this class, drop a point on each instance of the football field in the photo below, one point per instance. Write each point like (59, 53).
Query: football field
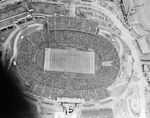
(74, 61)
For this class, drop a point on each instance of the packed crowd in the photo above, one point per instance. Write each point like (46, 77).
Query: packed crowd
(72, 23)
(66, 32)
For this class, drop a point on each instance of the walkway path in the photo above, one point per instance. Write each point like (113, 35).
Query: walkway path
(129, 40)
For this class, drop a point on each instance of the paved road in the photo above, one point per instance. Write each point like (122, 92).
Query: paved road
(126, 37)
(6, 45)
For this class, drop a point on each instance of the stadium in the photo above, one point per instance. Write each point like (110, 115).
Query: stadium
(66, 57)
